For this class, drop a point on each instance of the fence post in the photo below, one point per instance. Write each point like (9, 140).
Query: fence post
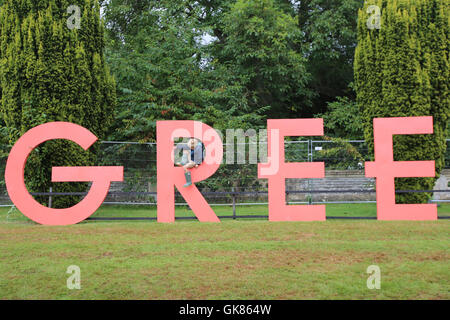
(234, 203)
(50, 198)
(311, 159)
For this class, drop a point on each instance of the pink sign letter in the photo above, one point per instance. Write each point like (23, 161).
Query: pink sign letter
(101, 177)
(276, 170)
(169, 176)
(385, 169)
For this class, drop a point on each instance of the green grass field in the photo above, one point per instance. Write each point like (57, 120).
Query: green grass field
(333, 210)
(242, 259)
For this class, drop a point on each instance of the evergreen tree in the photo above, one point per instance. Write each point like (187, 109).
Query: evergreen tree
(51, 70)
(402, 70)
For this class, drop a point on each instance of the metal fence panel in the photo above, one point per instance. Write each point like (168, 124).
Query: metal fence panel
(139, 185)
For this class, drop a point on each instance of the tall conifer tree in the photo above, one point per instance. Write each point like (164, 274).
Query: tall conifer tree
(402, 69)
(52, 69)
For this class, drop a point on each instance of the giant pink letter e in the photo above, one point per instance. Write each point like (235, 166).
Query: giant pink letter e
(276, 170)
(385, 169)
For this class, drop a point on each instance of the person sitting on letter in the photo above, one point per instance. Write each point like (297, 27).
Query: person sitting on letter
(192, 157)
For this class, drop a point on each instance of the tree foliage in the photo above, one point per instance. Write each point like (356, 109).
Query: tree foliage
(403, 70)
(328, 41)
(343, 119)
(49, 72)
(260, 50)
(163, 72)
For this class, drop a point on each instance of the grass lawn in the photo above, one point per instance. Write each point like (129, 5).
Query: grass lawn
(333, 210)
(243, 259)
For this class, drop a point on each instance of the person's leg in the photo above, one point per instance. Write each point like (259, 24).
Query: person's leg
(189, 165)
(184, 158)
(187, 174)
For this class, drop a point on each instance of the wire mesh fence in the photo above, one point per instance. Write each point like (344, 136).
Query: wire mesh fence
(236, 186)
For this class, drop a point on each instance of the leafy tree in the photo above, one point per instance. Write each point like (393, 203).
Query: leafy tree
(50, 72)
(328, 41)
(260, 51)
(163, 71)
(343, 119)
(4, 149)
(403, 70)
(321, 43)
(255, 64)
(340, 154)
(151, 54)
